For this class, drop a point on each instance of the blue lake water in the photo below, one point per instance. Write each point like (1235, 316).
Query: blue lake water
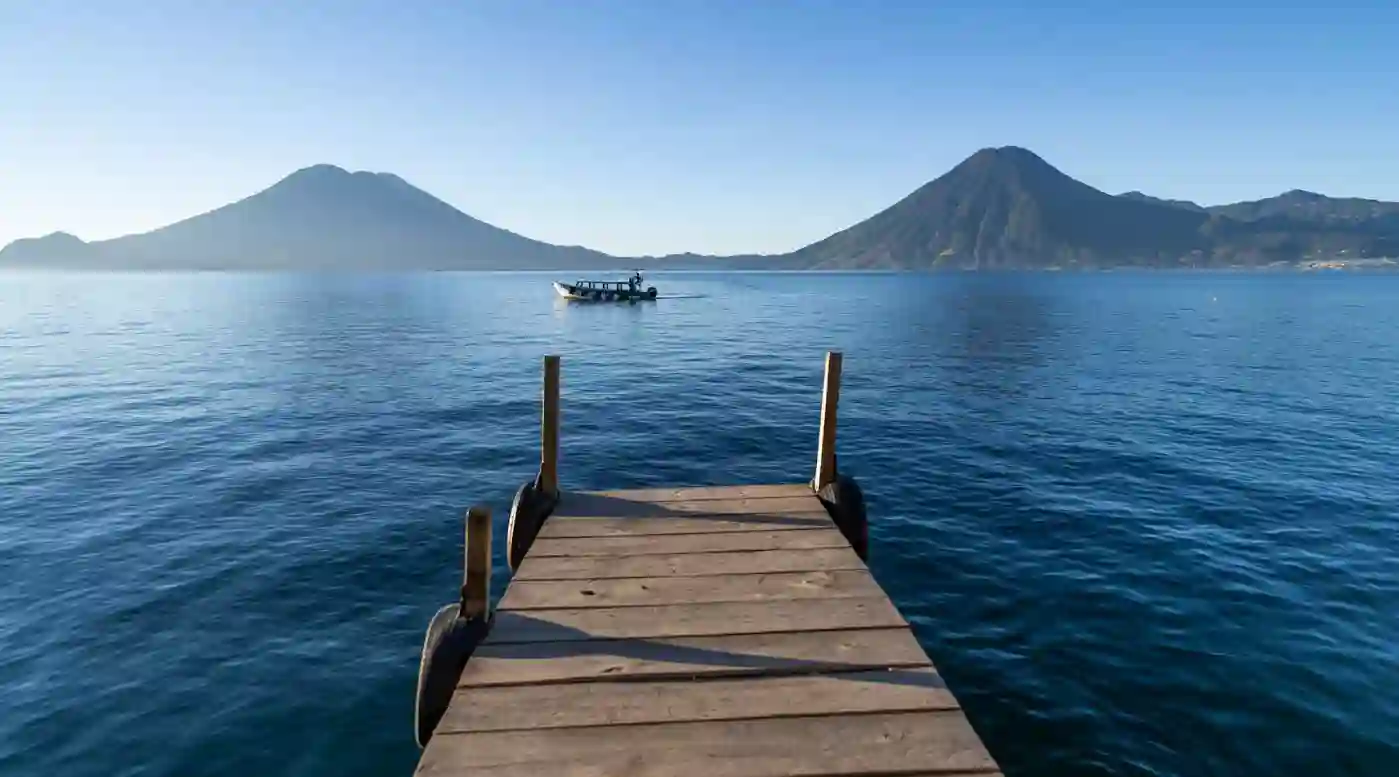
(1145, 524)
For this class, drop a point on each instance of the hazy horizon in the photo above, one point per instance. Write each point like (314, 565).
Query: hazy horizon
(650, 129)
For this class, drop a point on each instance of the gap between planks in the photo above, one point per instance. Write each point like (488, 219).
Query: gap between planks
(568, 527)
(684, 493)
(742, 655)
(596, 506)
(642, 591)
(526, 707)
(688, 565)
(678, 544)
(868, 744)
(692, 620)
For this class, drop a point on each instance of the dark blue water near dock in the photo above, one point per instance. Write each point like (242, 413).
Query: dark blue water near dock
(1146, 524)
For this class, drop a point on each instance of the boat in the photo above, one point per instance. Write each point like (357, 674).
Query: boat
(629, 290)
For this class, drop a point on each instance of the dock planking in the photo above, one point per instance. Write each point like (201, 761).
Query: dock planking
(691, 620)
(617, 504)
(689, 564)
(870, 743)
(707, 542)
(683, 524)
(812, 652)
(713, 632)
(603, 704)
(640, 591)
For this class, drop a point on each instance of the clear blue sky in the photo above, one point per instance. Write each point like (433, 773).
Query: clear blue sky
(653, 126)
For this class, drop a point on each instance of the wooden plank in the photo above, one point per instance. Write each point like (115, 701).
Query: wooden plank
(576, 505)
(689, 564)
(897, 743)
(633, 591)
(564, 527)
(670, 701)
(691, 620)
(688, 493)
(687, 657)
(712, 542)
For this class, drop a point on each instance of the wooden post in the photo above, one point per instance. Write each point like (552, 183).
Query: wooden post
(826, 449)
(549, 429)
(476, 591)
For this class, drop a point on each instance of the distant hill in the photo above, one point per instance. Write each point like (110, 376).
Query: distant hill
(1000, 208)
(1008, 208)
(1310, 207)
(318, 217)
(1139, 197)
(44, 250)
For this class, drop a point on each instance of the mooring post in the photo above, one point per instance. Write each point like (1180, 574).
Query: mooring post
(826, 449)
(456, 630)
(537, 498)
(476, 590)
(549, 429)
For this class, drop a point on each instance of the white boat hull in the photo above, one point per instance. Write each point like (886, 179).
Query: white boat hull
(566, 293)
(576, 294)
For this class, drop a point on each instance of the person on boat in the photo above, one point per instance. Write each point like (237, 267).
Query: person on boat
(635, 280)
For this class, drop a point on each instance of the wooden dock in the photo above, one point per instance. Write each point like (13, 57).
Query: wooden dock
(727, 631)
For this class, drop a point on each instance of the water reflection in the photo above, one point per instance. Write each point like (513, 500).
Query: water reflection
(980, 337)
(1100, 499)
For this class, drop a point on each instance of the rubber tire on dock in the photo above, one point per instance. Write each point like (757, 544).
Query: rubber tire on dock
(450, 641)
(527, 514)
(845, 503)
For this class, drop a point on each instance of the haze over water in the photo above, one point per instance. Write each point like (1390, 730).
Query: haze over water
(1144, 524)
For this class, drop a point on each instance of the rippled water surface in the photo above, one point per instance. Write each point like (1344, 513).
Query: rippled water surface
(1145, 524)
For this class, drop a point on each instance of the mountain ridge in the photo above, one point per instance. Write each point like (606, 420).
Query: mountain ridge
(1006, 208)
(1000, 208)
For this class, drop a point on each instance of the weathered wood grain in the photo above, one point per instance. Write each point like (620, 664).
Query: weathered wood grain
(573, 504)
(688, 564)
(633, 591)
(561, 528)
(670, 701)
(690, 493)
(691, 620)
(876, 744)
(689, 657)
(699, 632)
(712, 542)
(476, 590)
